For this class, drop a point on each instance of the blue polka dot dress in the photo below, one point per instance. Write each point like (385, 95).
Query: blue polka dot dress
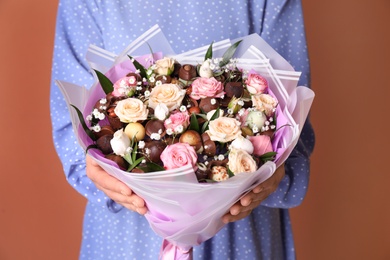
(113, 232)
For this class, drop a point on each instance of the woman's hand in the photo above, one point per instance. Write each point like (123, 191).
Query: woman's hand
(114, 188)
(246, 204)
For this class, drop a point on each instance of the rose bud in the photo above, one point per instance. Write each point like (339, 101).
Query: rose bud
(103, 143)
(235, 104)
(120, 142)
(122, 164)
(207, 104)
(192, 138)
(234, 89)
(153, 150)
(135, 130)
(187, 72)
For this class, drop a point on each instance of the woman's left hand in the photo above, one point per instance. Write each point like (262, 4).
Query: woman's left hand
(246, 204)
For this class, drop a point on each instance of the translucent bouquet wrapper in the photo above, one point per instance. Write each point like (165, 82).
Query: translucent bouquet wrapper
(181, 210)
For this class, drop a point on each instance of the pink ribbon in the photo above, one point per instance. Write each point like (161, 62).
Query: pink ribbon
(171, 252)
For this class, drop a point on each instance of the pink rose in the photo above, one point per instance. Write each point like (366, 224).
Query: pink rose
(178, 155)
(206, 87)
(256, 84)
(177, 122)
(125, 86)
(261, 144)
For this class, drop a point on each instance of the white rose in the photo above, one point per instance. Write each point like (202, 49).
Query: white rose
(169, 94)
(164, 66)
(242, 143)
(205, 70)
(241, 161)
(256, 119)
(131, 110)
(161, 111)
(120, 142)
(224, 129)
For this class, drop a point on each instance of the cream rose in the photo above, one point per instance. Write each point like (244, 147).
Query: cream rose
(241, 161)
(131, 110)
(265, 103)
(169, 94)
(224, 129)
(164, 66)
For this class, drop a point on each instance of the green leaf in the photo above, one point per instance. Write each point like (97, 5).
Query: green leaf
(205, 127)
(151, 167)
(209, 53)
(138, 66)
(270, 156)
(136, 162)
(84, 125)
(230, 173)
(105, 82)
(194, 124)
(229, 54)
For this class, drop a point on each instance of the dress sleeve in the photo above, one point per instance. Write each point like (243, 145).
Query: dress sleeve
(76, 28)
(283, 28)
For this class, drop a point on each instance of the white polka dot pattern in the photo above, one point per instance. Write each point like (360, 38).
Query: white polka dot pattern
(111, 232)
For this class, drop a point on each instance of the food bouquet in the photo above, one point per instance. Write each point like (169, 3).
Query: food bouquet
(190, 133)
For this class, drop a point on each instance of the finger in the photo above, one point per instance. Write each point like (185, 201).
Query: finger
(231, 218)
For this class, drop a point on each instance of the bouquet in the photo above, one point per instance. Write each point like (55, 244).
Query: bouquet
(179, 129)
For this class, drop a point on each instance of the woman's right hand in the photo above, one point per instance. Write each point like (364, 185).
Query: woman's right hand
(114, 188)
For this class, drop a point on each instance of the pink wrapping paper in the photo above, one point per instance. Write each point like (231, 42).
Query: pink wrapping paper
(180, 208)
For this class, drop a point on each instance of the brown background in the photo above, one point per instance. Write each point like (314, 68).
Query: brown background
(346, 213)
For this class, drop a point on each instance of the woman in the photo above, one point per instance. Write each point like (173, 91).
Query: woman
(114, 228)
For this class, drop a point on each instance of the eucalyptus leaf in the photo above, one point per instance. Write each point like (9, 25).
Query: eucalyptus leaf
(105, 82)
(83, 124)
(229, 54)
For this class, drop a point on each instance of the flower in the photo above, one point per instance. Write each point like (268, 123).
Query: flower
(241, 161)
(161, 111)
(164, 66)
(205, 71)
(178, 155)
(261, 143)
(265, 103)
(177, 122)
(256, 84)
(206, 87)
(120, 142)
(125, 86)
(224, 129)
(242, 143)
(131, 110)
(169, 94)
(256, 119)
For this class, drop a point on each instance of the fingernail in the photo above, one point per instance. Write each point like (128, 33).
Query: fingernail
(257, 189)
